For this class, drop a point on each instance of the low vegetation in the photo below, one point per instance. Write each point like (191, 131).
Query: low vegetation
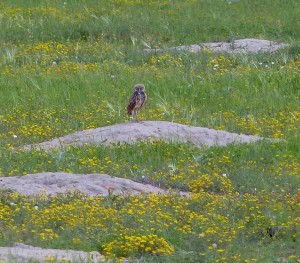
(71, 65)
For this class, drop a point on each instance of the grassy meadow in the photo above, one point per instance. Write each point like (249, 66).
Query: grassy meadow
(70, 65)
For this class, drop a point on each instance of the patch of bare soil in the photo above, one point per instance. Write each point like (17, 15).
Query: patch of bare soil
(90, 184)
(23, 253)
(132, 132)
(240, 46)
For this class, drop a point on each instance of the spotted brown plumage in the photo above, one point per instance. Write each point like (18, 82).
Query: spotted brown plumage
(137, 100)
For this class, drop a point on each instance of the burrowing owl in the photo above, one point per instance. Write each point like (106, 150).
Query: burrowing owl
(137, 100)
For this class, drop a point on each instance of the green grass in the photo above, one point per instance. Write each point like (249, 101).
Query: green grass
(67, 66)
(250, 167)
(242, 97)
(154, 22)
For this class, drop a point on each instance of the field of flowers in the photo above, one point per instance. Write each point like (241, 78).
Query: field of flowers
(70, 65)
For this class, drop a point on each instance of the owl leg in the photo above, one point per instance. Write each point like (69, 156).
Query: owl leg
(134, 117)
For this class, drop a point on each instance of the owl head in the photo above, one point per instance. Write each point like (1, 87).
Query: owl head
(138, 88)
